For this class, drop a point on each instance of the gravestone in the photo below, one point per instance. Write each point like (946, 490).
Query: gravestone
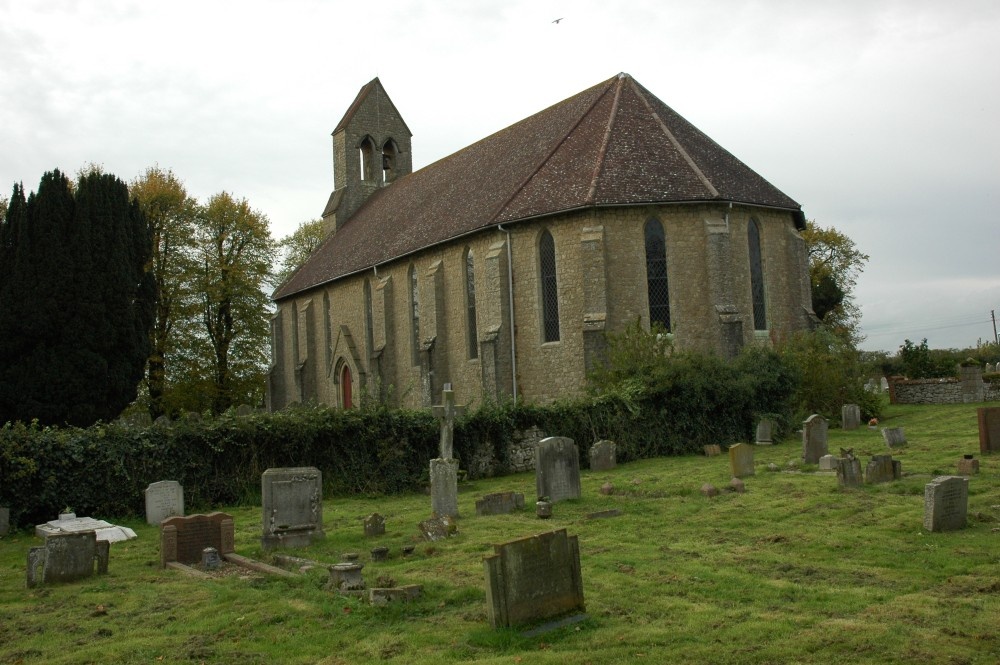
(814, 438)
(292, 500)
(184, 539)
(946, 503)
(603, 456)
(989, 429)
(4, 521)
(444, 487)
(105, 531)
(374, 525)
(828, 463)
(883, 469)
(884, 384)
(67, 557)
(894, 437)
(849, 472)
(346, 578)
(765, 432)
(210, 559)
(557, 469)
(737, 485)
(438, 527)
(741, 460)
(533, 578)
(712, 450)
(850, 416)
(163, 499)
(500, 503)
(967, 466)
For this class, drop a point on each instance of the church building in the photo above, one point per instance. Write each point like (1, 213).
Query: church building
(500, 268)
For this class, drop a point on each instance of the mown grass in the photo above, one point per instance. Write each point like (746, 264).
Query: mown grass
(794, 571)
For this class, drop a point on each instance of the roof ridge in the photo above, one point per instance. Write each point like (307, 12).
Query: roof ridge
(602, 153)
(677, 146)
(545, 160)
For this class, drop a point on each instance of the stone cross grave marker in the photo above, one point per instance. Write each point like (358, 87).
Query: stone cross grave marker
(557, 469)
(533, 578)
(374, 525)
(184, 539)
(292, 499)
(989, 429)
(164, 499)
(946, 503)
(603, 456)
(741, 460)
(446, 413)
(765, 432)
(67, 557)
(894, 437)
(500, 503)
(814, 438)
(883, 469)
(850, 416)
(444, 487)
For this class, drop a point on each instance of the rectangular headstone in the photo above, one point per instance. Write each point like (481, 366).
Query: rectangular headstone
(500, 503)
(182, 539)
(292, 500)
(603, 456)
(850, 416)
(946, 503)
(374, 525)
(164, 499)
(894, 437)
(557, 469)
(849, 472)
(989, 429)
(741, 460)
(765, 432)
(828, 463)
(883, 469)
(814, 438)
(67, 557)
(444, 487)
(533, 578)
(4, 521)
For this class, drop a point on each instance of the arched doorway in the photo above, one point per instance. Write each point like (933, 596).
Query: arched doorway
(346, 400)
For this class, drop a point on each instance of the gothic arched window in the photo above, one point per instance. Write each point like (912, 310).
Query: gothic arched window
(550, 290)
(367, 155)
(656, 274)
(470, 303)
(756, 277)
(369, 320)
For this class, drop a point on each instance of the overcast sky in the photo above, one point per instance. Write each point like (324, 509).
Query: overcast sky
(882, 118)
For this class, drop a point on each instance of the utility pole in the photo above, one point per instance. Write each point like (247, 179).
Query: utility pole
(993, 315)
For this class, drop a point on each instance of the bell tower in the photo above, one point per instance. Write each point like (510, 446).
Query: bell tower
(371, 149)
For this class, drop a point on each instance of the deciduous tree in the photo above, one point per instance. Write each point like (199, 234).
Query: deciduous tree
(835, 263)
(296, 247)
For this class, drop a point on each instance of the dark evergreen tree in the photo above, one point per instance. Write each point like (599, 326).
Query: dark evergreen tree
(79, 302)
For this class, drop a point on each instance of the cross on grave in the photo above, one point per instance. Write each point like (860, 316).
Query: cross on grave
(446, 414)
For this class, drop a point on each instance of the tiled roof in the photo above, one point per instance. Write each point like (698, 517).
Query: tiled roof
(613, 144)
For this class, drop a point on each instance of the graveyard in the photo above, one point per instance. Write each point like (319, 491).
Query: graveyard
(787, 565)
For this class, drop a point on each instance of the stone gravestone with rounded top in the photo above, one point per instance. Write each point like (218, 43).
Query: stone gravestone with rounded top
(557, 469)
(814, 439)
(603, 456)
(164, 499)
(850, 416)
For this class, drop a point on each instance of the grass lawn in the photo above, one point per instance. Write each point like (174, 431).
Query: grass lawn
(796, 570)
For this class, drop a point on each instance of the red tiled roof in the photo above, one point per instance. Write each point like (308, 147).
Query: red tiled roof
(613, 144)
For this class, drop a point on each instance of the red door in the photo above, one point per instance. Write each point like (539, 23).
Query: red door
(345, 387)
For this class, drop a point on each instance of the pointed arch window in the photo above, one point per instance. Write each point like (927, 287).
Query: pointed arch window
(656, 273)
(367, 156)
(414, 315)
(470, 303)
(346, 387)
(550, 287)
(369, 320)
(756, 277)
(328, 332)
(389, 152)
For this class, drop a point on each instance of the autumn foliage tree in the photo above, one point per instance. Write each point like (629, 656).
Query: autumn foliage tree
(835, 263)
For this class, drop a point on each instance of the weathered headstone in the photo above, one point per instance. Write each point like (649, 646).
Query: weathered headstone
(883, 469)
(184, 539)
(849, 472)
(850, 416)
(4, 521)
(765, 432)
(989, 429)
(814, 438)
(374, 525)
(603, 455)
(438, 527)
(712, 450)
(105, 531)
(968, 466)
(346, 578)
(292, 500)
(164, 499)
(446, 413)
(67, 557)
(380, 553)
(741, 460)
(533, 578)
(444, 487)
(210, 559)
(500, 503)
(894, 437)
(828, 463)
(946, 503)
(557, 469)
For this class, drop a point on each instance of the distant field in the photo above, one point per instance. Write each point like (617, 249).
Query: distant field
(794, 571)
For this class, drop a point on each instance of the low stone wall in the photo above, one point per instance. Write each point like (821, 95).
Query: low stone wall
(522, 454)
(968, 388)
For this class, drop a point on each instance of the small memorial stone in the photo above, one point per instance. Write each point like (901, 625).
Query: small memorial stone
(946, 502)
(737, 485)
(374, 525)
(408, 550)
(741, 460)
(292, 500)
(543, 509)
(850, 416)
(712, 450)
(438, 527)
(828, 463)
(814, 439)
(557, 469)
(603, 456)
(346, 578)
(894, 437)
(210, 559)
(401, 594)
(765, 432)
(500, 503)
(709, 490)
(163, 499)
(350, 556)
(67, 557)
(968, 466)
(607, 489)
(883, 469)
(380, 554)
